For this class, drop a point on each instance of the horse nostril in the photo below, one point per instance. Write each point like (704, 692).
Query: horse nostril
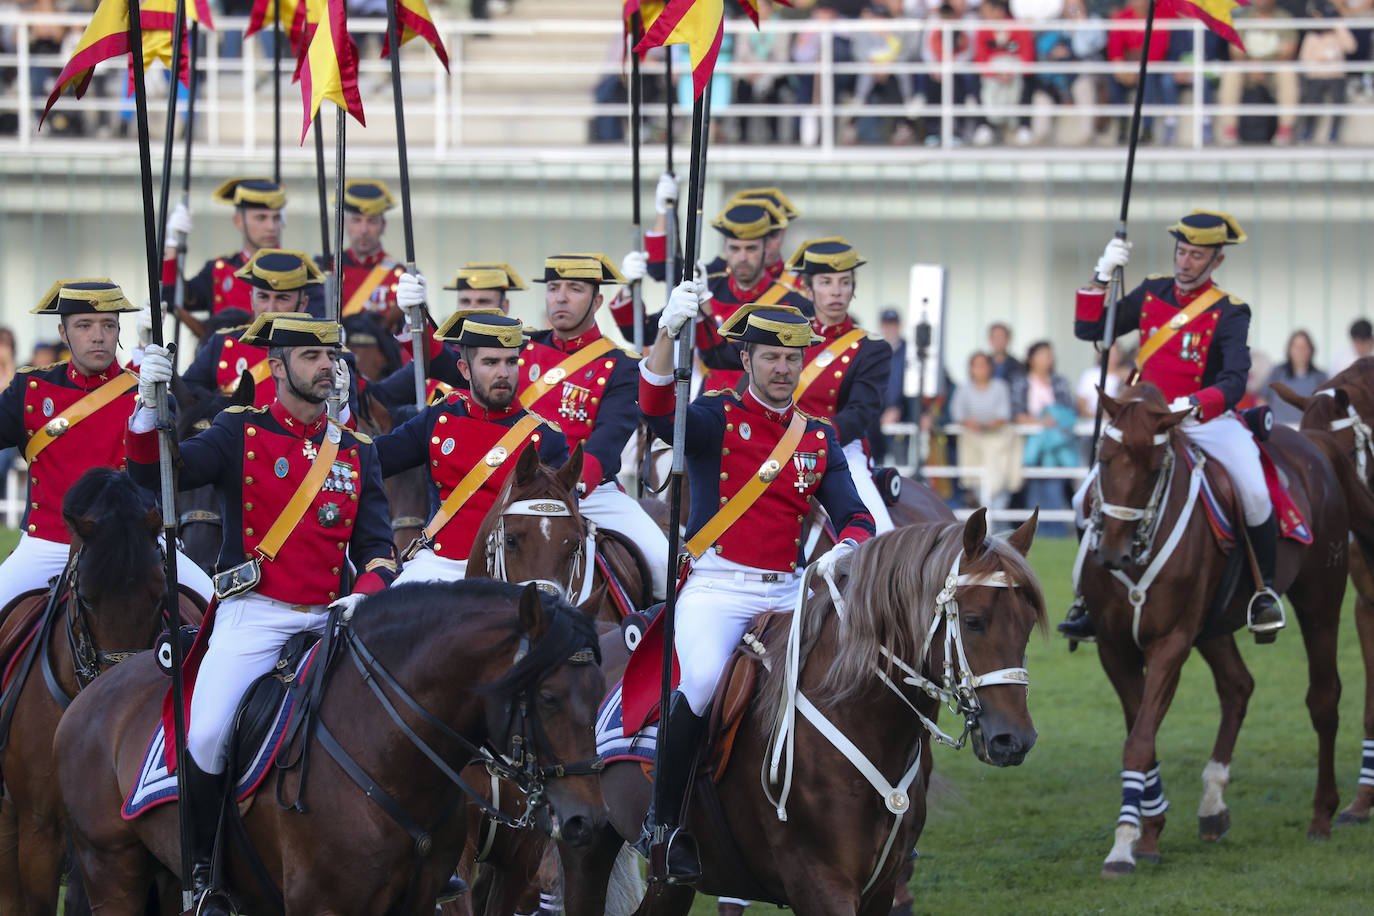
(577, 831)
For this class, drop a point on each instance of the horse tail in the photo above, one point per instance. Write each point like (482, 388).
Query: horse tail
(626, 887)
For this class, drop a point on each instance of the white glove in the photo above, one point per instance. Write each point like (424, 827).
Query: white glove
(829, 560)
(178, 225)
(635, 265)
(144, 325)
(341, 377)
(411, 291)
(348, 604)
(683, 305)
(1117, 254)
(665, 192)
(156, 367)
(1178, 405)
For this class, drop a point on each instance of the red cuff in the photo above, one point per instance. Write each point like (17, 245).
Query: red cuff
(592, 472)
(141, 448)
(622, 308)
(1211, 403)
(656, 244)
(855, 532)
(433, 345)
(1090, 304)
(708, 338)
(369, 583)
(656, 400)
(169, 271)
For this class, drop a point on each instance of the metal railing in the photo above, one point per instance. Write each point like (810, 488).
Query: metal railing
(446, 111)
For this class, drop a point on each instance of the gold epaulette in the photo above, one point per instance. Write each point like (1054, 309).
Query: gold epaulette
(717, 393)
(60, 362)
(1159, 276)
(826, 420)
(547, 422)
(240, 408)
(362, 437)
(241, 327)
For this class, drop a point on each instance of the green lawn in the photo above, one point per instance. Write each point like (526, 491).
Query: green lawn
(8, 538)
(1031, 839)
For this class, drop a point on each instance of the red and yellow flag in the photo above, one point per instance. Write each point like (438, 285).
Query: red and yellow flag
(699, 24)
(413, 18)
(107, 36)
(331, 68)
(158, 18)
(1215, 14)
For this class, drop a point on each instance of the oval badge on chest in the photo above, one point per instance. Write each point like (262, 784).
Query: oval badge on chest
(281, 467)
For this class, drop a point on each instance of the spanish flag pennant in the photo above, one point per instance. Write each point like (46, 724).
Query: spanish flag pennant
(264, 13)
(414, 20)
(331, 68)
(107, 36)
(751, 9)
(699, 24)
(158, 17)
(307, 19)
(1215, 14)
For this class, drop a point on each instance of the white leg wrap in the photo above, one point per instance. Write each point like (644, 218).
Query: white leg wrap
(1123, 848)
(1215, 778)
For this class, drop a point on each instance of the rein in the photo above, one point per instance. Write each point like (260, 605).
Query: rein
(88, 659)
(581, 568)
(957, 690)
(1364, 438)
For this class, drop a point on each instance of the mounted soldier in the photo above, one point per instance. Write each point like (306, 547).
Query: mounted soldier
(68, 418)
(1194, 350)
(370, 275)
(307, 529)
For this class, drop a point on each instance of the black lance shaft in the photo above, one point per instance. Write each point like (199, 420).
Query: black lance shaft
(418, 321)
(1116, 288)
(637, 231)
(323, 195)
(340, 125)
(179, 290)
(276, 91)
(682, 379)
(171, 606)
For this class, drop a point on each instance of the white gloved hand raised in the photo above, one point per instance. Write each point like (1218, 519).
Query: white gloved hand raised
(144, 325)
(156, 367)
(665, 192)
(341, 378)
(635, 265)
(826, 565)
(683, 305)
(178, 224)
(1117, 254)
(411, 291)
(348, 604)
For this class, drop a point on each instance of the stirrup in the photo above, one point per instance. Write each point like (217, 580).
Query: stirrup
(213, 902)
(1078, 627)
(678, 850)
(1262, 628)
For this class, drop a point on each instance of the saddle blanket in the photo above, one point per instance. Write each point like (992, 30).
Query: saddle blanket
(1291, 523)
(157, 783)
(612, 743)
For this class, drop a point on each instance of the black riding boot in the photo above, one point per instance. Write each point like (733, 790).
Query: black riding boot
(205, 801)
(673, 769)
(1265, 609)
(1078, 624)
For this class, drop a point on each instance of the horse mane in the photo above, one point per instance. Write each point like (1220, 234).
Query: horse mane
(367, 324)
(890, 602)
(118, 547)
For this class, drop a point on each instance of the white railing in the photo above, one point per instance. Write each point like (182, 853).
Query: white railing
(15, 500)
(444, 114)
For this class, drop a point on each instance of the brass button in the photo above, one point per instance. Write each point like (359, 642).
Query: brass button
(729, 427)
(248, 531)
(434, 440)
(248, 480)
(725, 451)
(223, 364)
(724, 475)
(797, 541)
(33, 384)
(335, 570)
(251, 456)
(333, 595)
(247, 507)
(29, 408)
(443, 418)
(32, 529)
(348, 523)
(342, 544)
(722, 500)
(353, 497)
(252, 431)
(595, 400)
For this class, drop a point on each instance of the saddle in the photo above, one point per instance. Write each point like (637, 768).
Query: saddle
(621, 562)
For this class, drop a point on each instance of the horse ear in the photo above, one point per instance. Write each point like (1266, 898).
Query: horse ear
(83, 526)
(246, 392)
(152, 520)
(1292, 397)
(975, 532)
(1021, 538)
(533, 620)
(1110, 405)
(571, 472)
(526, 466)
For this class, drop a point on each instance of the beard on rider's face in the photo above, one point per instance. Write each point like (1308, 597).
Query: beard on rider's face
(315, 393)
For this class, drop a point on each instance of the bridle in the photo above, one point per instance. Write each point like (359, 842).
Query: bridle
(1364, 438)
(88, 659)
(1147, 518)
(580, 571)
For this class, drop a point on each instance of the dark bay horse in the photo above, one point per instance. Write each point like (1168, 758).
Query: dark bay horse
(108, 605)
(928, 613)
(1151, 570)
(464, 664)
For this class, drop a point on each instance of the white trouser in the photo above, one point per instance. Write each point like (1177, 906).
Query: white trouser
(713, 611)
(611, 507)
(250, 631)
(36, 560)
(868, 490)
(428, 566)
(1228, 441)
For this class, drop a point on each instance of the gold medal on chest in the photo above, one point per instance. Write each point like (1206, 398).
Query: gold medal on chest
(769, 470)
(1178, 321)
(309, 450)
(56, 426)
(496, 457)
(554, 376)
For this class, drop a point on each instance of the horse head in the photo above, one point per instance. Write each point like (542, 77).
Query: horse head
(375, 349)
(407, 492)
(535, 532)
(1134, 462)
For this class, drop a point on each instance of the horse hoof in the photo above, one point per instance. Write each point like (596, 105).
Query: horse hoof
(1213, 827)
(1346, 817)
(1151, 857)
(1318, 837)
(1117, 869)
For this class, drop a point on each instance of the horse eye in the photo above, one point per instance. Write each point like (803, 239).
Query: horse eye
(512, 542)
(547, 699)
(975, 624)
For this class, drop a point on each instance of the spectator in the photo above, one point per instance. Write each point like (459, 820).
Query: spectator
(1272, 45)
(932, 84)
(7, 372)
(1042, 398)
(1004, 366)
(1361, 345)
(1004, 51)
(45, 354)
(1324, 51)
(1297, 372)
(1124, 45)
(760, 88)
(1073, 46)
(895, 407)
(1118, 368)
(806, 49)
(987, 440)
(878, 88)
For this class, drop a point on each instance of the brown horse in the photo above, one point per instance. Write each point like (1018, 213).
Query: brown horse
(1154, 578)
(926, 614)
(107, 605)
(495, 665)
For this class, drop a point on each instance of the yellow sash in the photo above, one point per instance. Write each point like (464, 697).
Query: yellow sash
(748, 494)
(260, 372)
(61, 424)
(1175, 324)
(772, 295)
(474, 478)
(300, 500)
(818, 365)
(555, 374)
(364, 292)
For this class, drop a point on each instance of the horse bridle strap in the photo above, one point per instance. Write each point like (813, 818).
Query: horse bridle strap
(1364, 437)
(545, 508)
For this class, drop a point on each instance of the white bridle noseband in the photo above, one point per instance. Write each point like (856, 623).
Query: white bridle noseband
(583, 557)
(1364, 438)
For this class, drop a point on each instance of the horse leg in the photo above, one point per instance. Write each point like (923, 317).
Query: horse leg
(1318, 614)
(1357, 812)
(664, 899)
(823, 892)
(41, 854)
(9, 857)
(1234, 687)
(119, 880)
(590, 873)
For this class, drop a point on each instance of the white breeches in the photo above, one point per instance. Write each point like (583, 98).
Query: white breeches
(868, 490)
(713, 611)
(36, 560)
(611, 507)
(428, 566)
(1228, 441)
(249, 633)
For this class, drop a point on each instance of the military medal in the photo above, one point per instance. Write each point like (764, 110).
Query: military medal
(308, 448)
(334, 434)
(554, 376)
(47, 407)
(1178, 321)
(281, 467)
(56, 426)
(805, 463)
(825, 359)
(241, 366)
(745, 432)
(329, 515)
(534, 373)
(1186, 348)
(769, 471)
(228, 283)
(447, 447)
(496, 457)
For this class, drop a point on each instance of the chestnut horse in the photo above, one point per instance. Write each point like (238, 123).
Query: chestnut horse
(923, 615)
(431, 674)
(107, 604)
(1151, 571)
